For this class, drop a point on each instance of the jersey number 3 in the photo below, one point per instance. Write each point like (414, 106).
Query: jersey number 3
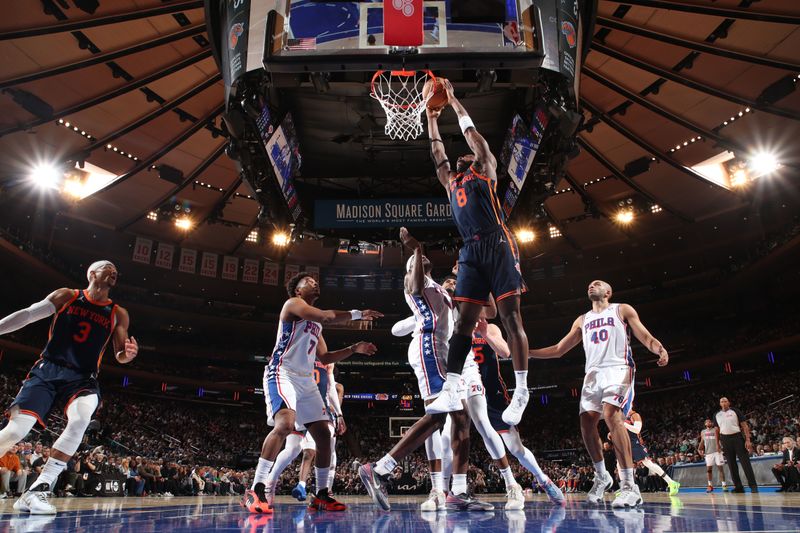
(602, 336)
(83, 334)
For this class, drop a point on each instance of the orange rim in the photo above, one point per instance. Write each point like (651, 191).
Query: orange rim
(400, 73)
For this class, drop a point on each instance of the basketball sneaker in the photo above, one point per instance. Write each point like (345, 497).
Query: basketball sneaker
(375, 485)
(674, 487)
(554, 493)
(513, 413)
(628, 497)
(299, 492)
(256, 500)
(465, 502)
(435, 502)
(599, 487)
(515, 499)
(35, 501)
(323, 501)
(710, 488)
(447, 401)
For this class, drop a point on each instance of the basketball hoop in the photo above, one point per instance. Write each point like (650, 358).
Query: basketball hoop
(400, 95)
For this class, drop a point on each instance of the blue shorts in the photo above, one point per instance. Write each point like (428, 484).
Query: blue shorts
(496, 419)
(639, 451)
(489, 265)
(47, 384)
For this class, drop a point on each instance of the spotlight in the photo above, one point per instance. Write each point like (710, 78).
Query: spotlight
(554, 232)
(46, 176)
(764, 163)
(74, 188)
(152, 215)
(252, 236)
(280, 238)
(655, 208)
(184, 223)
(739, 178)
(525, 236)
(624, 216)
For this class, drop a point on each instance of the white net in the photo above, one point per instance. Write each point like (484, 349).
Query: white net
(400, 94)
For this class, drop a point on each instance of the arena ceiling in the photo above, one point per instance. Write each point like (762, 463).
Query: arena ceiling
(133, 86)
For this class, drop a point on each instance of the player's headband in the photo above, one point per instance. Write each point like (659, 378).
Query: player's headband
(97, 265)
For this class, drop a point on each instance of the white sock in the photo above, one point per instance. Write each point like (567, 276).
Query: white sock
(459, 484)
(302, 484)
(321, 475)
(333, 469)
(437, 481)
(723, 483)
(262, 472)
(453, 378)
(50, 471)
(508, 477)
(521, 378)
(528, 460)
(626, 477)
(600, 467)
(385, 465)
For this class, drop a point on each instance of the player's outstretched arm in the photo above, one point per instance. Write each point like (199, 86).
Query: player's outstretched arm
(325, 357)
(125, 348)
(47, 307)
(494, 337)
(299, 308)
(630, 316)
(404, 327)
(475, 140)
(438, 153)
(569, 341)
(415, 279)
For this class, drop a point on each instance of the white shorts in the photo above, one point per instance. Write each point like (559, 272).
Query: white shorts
(287, 389)
(428, 358)
(612, 385)
(715, 458)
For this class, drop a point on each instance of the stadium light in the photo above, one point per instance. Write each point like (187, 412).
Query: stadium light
(45, 176)
(764, 163)
(525, 236)
(184, 223)
(624, 216)
(280, 238)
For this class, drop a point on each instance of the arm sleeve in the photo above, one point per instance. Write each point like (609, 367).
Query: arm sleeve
(22, 318)
(635, 428)
(404, 327)
(333, 396)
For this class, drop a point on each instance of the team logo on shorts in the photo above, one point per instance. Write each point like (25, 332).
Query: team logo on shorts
(233, 36)
(569, 33)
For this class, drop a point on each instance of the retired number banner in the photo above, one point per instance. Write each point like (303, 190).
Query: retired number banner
(142, 250)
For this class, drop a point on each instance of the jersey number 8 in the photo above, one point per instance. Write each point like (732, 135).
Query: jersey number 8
(461, 197)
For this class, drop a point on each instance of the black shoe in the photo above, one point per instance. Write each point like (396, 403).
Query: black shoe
(375, 484)
(738, 490)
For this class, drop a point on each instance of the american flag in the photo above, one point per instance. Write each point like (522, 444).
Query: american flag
(304, 43)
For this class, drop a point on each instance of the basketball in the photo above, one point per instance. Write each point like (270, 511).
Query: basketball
(439, 98)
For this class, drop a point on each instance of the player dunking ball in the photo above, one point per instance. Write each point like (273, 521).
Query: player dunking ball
(488, 263)
(608, 385)
(291, 393)
(84, 322)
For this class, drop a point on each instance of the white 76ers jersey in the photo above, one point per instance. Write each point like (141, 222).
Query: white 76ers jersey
(606, 340)
(296, 347)
(433, 310)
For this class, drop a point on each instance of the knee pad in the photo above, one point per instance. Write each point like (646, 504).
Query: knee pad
(79, 414)
(18, 427)
(433, 446)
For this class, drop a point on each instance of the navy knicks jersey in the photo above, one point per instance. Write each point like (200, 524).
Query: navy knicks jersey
(486, 358)
(636, 438)
(476, 208)
(321, 378)
(80, 332)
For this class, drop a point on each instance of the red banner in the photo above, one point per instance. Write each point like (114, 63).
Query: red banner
(402, 22)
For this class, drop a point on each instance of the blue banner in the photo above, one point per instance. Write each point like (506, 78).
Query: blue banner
(410, 212)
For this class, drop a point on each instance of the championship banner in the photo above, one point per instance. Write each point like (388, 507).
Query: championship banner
(382, 213)
(250, 273)
(142, 250)
(314, 271)
(331, 280)
(270, 273)
(188, 262)
(208, 267)
(230, 267)
(165, 255)
(386, 282)
(290, 271)
(350, 281)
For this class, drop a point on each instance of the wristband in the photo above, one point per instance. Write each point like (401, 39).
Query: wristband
(437, 141)
(355, 314)
(466, 123)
